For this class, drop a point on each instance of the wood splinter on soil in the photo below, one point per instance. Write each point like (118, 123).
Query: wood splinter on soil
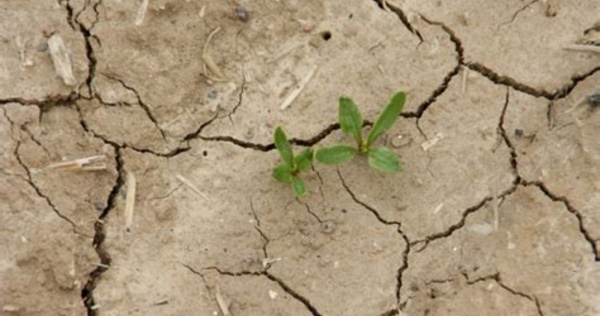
(190, 185)
(268, 261)
(296, 92)
(92, 163)
(130, 200)
(209, 61)
(222, 303)
(141, 13)
(583, 48)
(430, 143)
(61, 59)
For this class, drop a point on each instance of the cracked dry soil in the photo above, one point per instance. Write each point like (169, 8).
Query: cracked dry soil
(496, 213)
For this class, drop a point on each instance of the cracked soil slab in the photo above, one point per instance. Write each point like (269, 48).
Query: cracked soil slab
(47, 228)
(465, 162)
(308, 248)
(524, 252)
(264, 60)
(519, 42)
(27, 71)
(495, 213)
(556, 146)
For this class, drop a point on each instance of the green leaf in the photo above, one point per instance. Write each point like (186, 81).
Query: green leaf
(335, 154)
(283, 173)
(298, 186)
(284, 147)
(350, 119)
(304, 160)
(385, 160)
(387, 117)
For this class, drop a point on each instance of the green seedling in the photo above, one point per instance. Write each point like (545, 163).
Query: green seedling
(288, 170)
(351, 121)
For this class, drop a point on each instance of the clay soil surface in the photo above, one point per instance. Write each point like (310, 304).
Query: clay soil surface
(497, 211)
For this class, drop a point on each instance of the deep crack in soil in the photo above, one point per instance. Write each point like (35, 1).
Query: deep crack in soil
(77, 25)
(87, 293)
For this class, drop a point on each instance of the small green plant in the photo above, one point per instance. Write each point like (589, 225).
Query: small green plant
(351, 122)
(288, 170)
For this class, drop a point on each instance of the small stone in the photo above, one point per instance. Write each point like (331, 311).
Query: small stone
(328, 227)
(273, 294)
(377, 247)
(401, 207)
(249, 134)
(518, 133)
(99, 206)
(308, 26)
(242, 13)
(401, 140)
(213, 94)
(594, 100)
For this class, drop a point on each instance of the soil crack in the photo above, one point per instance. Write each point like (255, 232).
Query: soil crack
(506, 139)
(510, 82)
(459, 49)
(262, 234)
(391, 312)
(87, 36)
(461, 223)
(87, 293)
(573, 210)
(293, 293)
(29, 178)
(107, 140)
(286, 288)
(268, 147)
(492, 75)
(514, 16)
(143, 105)
(240, 98)
(498, 280)
(402, 16)
(408, 243)
(365, 205)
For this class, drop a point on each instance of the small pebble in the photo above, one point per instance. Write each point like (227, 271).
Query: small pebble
(213, 94)
(308, 26)
(273, 294)
(249, 134)
(518, 133)
(242, 13)
(99, 206)
(594, 100)
(328, 227)
(401, 140)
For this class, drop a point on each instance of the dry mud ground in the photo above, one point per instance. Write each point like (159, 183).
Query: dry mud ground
(496, 213)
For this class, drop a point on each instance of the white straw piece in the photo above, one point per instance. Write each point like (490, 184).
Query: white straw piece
(61, 60)
(130, 200)
(296, 92)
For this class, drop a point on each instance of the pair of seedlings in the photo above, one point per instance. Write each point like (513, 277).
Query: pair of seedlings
(351, 122)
